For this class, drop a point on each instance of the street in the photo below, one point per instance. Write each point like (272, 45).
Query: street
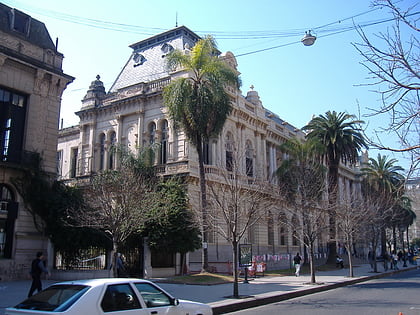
(385, 296)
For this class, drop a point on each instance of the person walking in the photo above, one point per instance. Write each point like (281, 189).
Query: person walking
(297, 262)
(37, 268)
(120, 266)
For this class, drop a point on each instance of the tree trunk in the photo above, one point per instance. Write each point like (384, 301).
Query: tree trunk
(114, 258)
(394, 236)
(235, 270)
(349, 255)
(383, 241)
(332, 202)
(312, 262)
(203, 202)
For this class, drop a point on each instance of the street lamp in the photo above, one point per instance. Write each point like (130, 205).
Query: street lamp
(308, 39)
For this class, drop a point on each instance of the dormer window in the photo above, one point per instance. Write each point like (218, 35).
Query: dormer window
(138, 59)
(166, 49)
(20, 22)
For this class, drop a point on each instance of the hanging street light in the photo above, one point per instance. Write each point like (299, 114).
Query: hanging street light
(308, 39)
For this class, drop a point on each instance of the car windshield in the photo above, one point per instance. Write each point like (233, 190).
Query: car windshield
(55, 298)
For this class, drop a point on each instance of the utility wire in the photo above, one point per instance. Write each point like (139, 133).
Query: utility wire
(136, 29)
(337, 31)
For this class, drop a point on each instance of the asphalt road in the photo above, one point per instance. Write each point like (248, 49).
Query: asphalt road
(385, 296)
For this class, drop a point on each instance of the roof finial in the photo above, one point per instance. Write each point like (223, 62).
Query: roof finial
(176, 19)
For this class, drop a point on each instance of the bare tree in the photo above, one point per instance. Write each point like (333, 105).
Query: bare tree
(392, 61)
(302, 183)
(238, 200)
(118, 200)
(351, 222)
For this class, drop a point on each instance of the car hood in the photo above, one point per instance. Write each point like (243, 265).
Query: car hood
(196, 307)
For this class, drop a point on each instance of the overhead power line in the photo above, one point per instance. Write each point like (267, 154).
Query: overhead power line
(325, 30)
(137, 29)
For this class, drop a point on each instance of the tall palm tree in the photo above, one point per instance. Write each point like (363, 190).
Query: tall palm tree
(200, 105)
(386, 181)
(342, 137)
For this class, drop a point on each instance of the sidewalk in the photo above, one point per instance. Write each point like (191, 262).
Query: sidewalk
(258, 291)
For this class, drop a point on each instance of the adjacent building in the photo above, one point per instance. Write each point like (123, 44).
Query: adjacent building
(31, 84)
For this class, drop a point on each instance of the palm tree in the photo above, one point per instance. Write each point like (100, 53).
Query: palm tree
(200, 105)
(342, 138)
(386, 181)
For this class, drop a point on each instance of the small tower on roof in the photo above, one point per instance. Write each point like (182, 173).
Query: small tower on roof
(95, 94)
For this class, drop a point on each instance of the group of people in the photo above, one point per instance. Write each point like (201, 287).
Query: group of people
(394, 259)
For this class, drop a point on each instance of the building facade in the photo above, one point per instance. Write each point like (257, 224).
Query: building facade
(31, 84)
(132, 114)
(412, 188)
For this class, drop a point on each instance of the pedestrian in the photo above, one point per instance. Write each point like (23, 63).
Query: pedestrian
(371, 259)
(339, 262)
(120, 266)
(37, 268)
(297, 261)
(385, 257)
(395, 260)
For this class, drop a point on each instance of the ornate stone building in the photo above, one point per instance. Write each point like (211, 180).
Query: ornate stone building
(132, 114)
(31, 84)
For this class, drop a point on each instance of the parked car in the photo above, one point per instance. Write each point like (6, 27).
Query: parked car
(101, 296)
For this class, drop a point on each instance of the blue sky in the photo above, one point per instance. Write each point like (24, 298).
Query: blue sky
(292, 80)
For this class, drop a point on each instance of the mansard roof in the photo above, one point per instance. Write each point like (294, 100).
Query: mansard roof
(147, 60)
(21, 25)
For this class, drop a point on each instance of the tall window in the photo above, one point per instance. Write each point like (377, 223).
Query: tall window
(60, 163)
(8, 215)
(253, 233)
(282, 224)
(249, 162)
(206, 152)
(12, 122)
(152, 133)
(270, 228)
(295, 233)
(229, 151)
(74, 162)
(102, 151)
(113, 142)
(164, 143)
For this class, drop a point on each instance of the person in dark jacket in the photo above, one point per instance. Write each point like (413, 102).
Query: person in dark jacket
(297, 262)
(37, 268)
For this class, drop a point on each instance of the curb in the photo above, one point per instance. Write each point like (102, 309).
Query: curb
(268, 298)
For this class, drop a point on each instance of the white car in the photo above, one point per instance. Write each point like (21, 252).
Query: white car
(101, 296)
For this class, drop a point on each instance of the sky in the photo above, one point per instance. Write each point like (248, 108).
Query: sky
(294, 81)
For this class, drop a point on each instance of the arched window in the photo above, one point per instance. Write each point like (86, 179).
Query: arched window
(229, 143)
(102, 151)
(163, 158)
(152, 133)
(249, 159)
(8, 215)
(112, 147)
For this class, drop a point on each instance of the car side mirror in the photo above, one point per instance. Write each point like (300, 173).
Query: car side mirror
(174, 301)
